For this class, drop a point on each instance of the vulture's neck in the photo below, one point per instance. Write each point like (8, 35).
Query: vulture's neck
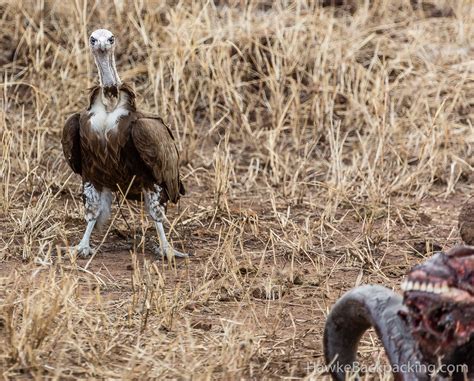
(109, 79)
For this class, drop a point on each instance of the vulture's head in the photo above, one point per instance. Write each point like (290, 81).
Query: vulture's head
(102, 45)
(102, 41)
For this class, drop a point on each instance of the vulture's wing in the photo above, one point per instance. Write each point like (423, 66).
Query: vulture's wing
(71, 142)
(156, 146)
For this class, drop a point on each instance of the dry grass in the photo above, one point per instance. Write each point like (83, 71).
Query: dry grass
(322, 148)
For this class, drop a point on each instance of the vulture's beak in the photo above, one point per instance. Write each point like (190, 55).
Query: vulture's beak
(102, 46)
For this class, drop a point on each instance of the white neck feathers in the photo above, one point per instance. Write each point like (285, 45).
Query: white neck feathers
(104, 120)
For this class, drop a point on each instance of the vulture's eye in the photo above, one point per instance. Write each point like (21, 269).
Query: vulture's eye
(111, 40)
(93, 40)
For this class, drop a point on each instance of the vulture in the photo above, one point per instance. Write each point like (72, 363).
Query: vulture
(115, 147)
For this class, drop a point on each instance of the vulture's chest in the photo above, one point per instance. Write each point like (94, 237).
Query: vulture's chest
(103, 121)
(109, 157)
(104, 138)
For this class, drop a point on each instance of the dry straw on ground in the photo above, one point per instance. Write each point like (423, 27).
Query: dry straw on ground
(322, 147)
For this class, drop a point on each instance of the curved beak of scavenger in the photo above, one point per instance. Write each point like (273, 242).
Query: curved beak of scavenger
(103, 46)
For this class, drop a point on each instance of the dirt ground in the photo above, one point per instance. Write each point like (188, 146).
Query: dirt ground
(323, 147)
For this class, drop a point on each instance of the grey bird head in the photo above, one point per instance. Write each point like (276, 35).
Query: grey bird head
(102, 41)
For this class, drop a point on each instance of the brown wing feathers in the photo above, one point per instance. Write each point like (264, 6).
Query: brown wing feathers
(71, 143)
(155, 144)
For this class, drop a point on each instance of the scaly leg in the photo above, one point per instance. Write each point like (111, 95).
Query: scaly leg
(157, 213)
(84, 249)
(97, 210)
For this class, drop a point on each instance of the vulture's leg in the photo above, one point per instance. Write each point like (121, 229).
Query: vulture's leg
(354, 313)
(97, 210)
(157, 212)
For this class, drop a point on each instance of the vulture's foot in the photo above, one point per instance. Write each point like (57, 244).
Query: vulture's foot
(167, 252)
(82, 251)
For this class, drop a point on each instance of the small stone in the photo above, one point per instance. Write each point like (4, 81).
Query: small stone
(426, 247)
(274, 293)
(298, 279)
(466, 223)
(202, 325)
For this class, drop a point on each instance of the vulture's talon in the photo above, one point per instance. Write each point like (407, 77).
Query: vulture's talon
(179, 254)
(168, 252)
(80, 251)
(84, 251)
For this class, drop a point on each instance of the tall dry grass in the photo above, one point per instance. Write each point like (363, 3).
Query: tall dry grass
(320, 145)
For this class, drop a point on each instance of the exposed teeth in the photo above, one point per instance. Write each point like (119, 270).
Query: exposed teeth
(408, 285)
(403, 286)
(444, 288)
